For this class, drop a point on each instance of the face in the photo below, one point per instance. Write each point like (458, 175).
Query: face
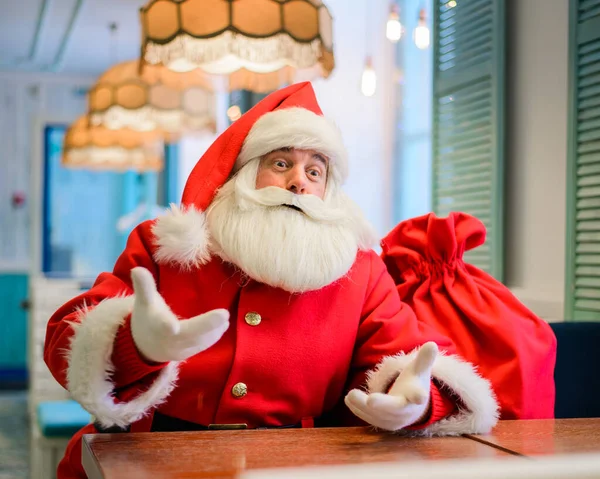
(303, 172)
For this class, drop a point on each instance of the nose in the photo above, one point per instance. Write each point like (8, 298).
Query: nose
(297, 181)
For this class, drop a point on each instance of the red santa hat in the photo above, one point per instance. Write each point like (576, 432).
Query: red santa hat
(290, 117)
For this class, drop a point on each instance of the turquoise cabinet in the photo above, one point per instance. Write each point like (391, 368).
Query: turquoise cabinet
(13, 329)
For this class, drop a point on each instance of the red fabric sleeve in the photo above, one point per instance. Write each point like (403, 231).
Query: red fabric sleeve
(442, 406)
(388, 326)
(129, 366)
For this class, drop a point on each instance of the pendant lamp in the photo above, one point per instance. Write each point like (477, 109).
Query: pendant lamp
(156, 98)
(257, 45)
(99, 148)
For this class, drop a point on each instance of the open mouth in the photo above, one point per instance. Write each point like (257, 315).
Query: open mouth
(293, 207)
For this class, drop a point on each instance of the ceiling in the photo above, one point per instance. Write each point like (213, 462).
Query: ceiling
(67, 36)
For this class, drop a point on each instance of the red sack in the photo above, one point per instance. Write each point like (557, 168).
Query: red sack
(514, 349)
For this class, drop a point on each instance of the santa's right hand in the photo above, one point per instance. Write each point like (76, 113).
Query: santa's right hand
(159, 335)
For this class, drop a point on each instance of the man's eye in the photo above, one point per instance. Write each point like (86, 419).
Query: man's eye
(315, 173)
(280, 164)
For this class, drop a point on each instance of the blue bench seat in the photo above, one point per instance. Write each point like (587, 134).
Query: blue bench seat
(61, 418)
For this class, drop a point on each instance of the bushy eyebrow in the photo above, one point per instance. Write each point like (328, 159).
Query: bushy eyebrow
(285, 149)
(320, 158)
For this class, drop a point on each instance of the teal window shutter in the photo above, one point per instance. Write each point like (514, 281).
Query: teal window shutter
(169, 191)
(582, 298)
(468, 119)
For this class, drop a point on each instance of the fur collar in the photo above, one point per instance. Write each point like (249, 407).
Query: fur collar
(181, 237)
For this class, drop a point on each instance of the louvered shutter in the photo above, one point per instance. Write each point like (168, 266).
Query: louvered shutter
(583, 183)
(169, 190)
(468, 116)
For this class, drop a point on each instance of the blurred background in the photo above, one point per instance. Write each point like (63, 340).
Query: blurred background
(491, 107)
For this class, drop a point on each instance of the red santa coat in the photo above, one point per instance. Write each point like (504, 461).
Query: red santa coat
(302, 357)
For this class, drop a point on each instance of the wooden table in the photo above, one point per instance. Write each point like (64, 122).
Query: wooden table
(536, 438)
(226, 453)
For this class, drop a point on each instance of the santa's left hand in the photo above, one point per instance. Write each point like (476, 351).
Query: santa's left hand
(407, 401)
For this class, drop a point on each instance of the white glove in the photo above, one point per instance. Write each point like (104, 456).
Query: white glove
(407, 401)
(159, 335)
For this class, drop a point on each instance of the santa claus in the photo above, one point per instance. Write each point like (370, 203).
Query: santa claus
(259, 303)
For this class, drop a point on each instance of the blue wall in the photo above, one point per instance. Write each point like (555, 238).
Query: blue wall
(81, 210)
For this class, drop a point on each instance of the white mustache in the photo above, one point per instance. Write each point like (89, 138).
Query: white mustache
(272, 196)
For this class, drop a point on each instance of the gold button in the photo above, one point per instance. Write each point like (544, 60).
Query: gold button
(239, 390)
(253, 319)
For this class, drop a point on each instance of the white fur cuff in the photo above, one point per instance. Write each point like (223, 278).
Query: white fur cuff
(90, 367)
(479, 413)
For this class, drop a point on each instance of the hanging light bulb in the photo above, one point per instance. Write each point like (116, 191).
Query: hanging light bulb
(393, 30)
(234, 113)
(369, 79)
(421, 33)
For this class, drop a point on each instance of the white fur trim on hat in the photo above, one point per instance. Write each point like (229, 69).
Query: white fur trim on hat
(479, 410)
(182, 238)
(90, 368)
(296, 128)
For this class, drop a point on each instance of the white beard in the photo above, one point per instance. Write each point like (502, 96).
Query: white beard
(282, 247)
